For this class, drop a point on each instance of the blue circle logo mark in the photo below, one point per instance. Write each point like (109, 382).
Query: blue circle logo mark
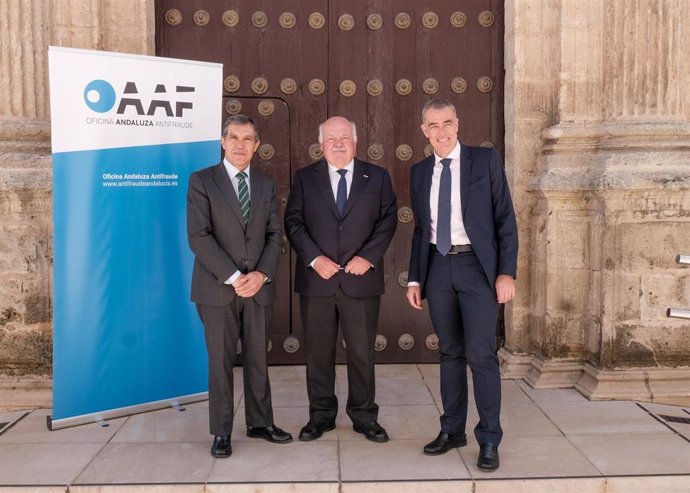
(99, 95)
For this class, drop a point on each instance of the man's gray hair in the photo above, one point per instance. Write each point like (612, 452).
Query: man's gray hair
(438, 104)
(354, 131)
(240, 119)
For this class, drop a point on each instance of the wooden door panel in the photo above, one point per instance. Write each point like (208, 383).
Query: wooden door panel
(375, 62)
(386, 59)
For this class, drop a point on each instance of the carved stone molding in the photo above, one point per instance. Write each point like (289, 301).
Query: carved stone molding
(554, 373)
(25, 137)
(660, 385)
(616, 136)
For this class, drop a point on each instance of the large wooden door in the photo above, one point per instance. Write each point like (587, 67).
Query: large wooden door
(292, 64)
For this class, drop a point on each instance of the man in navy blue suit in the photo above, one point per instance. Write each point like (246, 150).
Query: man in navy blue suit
(340, 219)
(463, 261)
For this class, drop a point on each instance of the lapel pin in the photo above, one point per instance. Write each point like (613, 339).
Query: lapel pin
(366, 176)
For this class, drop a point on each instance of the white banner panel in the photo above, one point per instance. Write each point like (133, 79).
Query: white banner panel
(117, 100)
(127, 132)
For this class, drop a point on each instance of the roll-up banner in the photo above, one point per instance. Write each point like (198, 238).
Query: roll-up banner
(127, 131)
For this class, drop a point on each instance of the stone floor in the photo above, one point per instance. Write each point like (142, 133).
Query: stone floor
(555, 440)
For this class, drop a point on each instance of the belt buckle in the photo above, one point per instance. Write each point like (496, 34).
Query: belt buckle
(457, 249)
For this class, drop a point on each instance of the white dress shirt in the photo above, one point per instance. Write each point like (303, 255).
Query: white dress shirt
(458, 235)
(232, 173)
(335, 179)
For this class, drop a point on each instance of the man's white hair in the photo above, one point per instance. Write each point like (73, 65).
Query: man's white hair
(354, 131)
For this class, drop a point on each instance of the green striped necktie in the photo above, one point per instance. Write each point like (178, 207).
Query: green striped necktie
(243, 192)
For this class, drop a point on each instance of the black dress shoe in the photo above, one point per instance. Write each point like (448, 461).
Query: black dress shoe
(372, 431)
(221, 446)
(488, 457)
(271, 433)
(314, 429)
(444, 442)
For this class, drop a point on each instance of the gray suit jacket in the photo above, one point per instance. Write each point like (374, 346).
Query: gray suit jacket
(222, 243)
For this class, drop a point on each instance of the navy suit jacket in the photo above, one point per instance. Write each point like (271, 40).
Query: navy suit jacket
(487, 213)
(314, 228)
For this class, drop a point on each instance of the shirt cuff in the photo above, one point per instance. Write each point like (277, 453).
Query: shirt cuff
(413, 283)
(233, 277)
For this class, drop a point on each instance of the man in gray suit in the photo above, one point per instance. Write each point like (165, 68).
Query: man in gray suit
(235, 234)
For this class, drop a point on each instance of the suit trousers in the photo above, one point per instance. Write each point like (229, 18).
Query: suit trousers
(464, 312)
(358, 319)
(243, 318)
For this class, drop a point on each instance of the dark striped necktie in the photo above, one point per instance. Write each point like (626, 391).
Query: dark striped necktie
(243, 193)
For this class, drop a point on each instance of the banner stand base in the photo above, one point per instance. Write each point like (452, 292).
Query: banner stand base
(101, 416)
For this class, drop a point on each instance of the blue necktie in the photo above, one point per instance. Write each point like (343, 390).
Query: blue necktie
(443, 223)
(341, 196)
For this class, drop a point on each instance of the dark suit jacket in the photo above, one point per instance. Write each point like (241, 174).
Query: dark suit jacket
(220, 240)
(487, 213)
(366, 229)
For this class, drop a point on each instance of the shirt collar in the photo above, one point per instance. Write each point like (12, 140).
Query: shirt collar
(232, 171)
(349, 166)
(454, 154)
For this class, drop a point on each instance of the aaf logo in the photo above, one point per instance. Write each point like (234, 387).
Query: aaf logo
(99, 95)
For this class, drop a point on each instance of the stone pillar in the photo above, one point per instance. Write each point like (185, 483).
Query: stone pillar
(612, 193)
(29, 26)
(531, 46)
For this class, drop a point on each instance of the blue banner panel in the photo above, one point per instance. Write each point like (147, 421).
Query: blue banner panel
(125, 330)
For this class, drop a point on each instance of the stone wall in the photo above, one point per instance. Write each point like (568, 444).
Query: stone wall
(598, 138)
(25, 169)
